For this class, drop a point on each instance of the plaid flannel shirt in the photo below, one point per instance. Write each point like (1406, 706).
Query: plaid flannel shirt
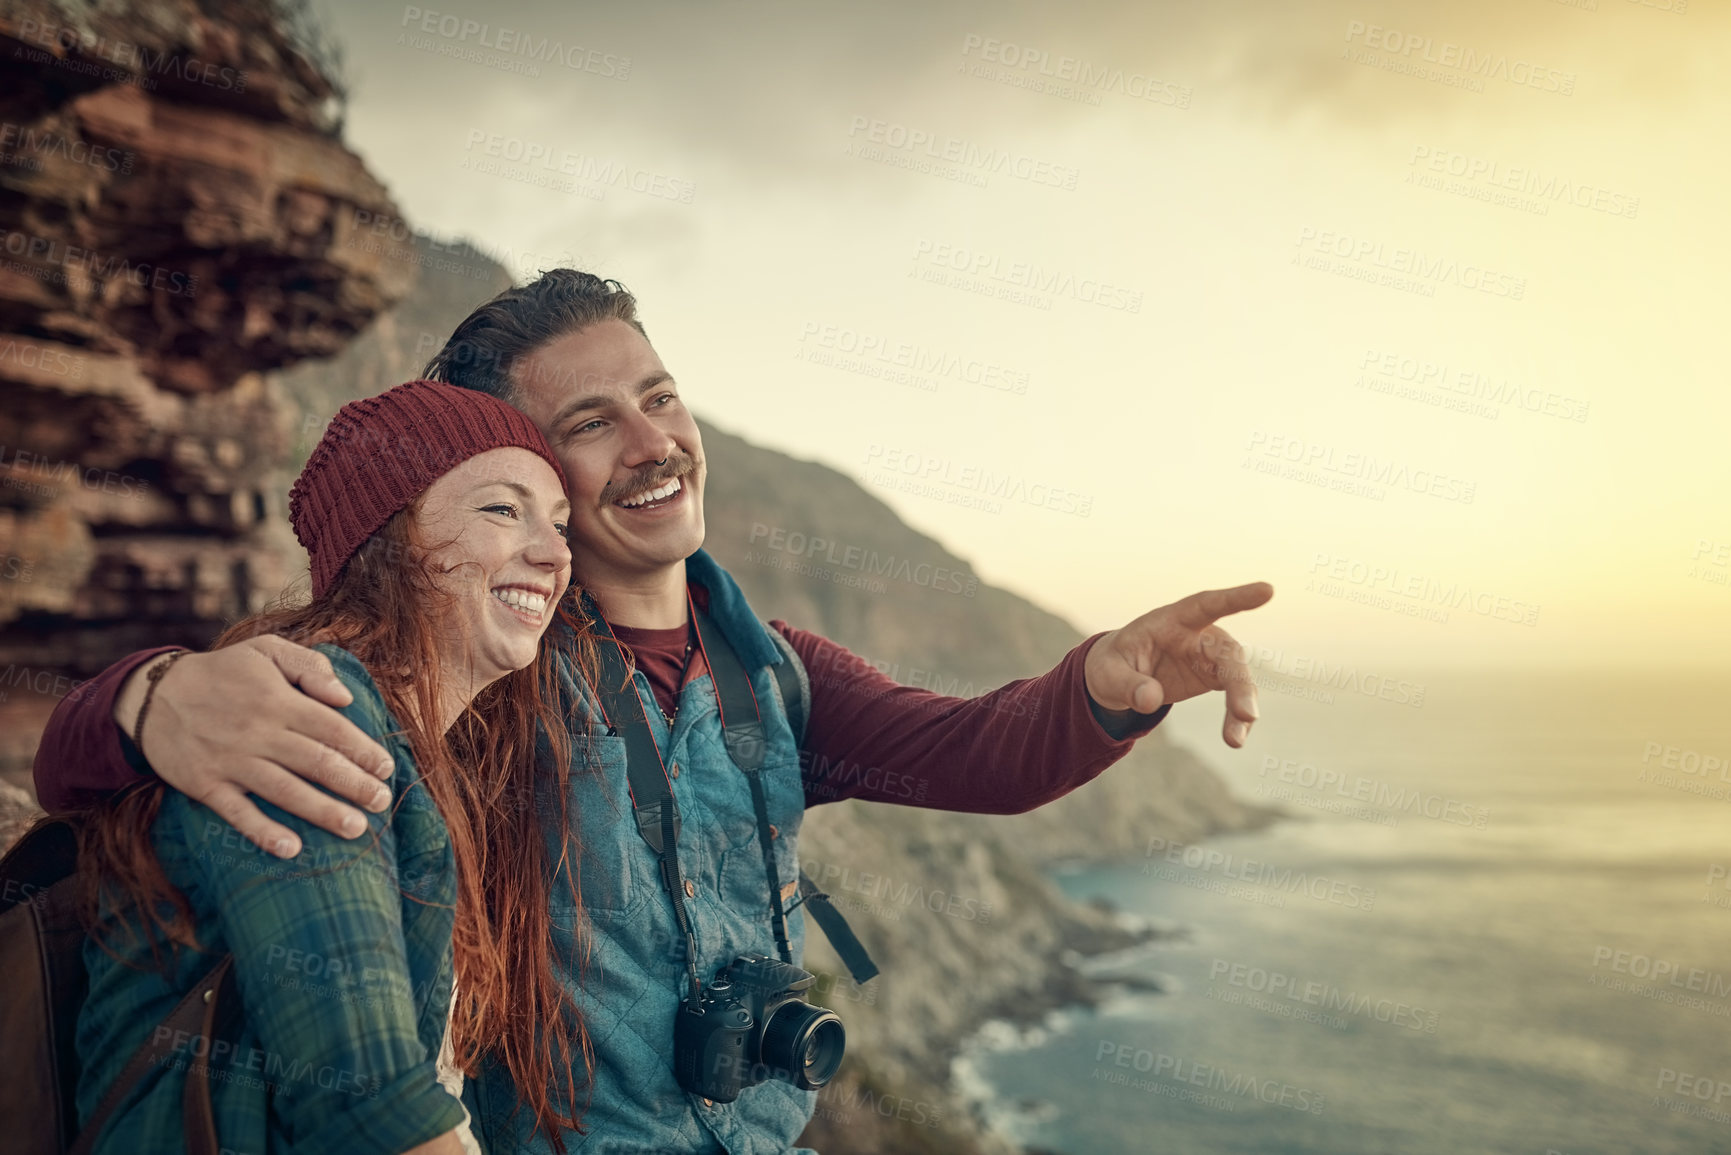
(343, 963)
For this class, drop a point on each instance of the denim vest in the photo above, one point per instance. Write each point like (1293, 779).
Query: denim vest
(635, 974)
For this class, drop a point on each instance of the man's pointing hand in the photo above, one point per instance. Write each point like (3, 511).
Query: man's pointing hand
(1177, 652)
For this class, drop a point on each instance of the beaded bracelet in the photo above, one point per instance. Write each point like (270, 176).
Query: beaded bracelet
(152, 677)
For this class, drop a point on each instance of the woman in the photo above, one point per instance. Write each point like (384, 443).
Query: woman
(433, 518)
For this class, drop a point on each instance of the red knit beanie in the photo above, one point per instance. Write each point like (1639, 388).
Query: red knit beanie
(379, 453)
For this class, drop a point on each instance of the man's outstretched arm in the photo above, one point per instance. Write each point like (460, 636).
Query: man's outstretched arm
(1028, 742)
(258, 717)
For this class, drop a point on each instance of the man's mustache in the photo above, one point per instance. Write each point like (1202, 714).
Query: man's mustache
(649, 477)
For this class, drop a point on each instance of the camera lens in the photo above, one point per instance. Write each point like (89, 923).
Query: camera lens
(806, 1042)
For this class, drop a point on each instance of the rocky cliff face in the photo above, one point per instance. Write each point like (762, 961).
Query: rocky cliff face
(177, 217)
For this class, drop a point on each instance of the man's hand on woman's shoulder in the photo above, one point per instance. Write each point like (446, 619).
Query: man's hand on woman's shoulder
(259, 718)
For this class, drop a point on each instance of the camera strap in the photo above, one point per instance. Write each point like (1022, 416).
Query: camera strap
(746, 745)
(652, 805)
(657, 815)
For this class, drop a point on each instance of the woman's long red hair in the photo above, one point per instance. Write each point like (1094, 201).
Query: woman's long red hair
(494, 787)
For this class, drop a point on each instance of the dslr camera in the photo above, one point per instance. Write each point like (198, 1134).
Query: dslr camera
(753, 1024)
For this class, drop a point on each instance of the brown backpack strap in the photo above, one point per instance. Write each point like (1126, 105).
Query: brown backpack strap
(193, 1017)
(198, 1115)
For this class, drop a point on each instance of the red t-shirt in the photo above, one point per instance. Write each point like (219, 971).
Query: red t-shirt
(666, 658)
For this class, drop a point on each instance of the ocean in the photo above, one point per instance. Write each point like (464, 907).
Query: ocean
(1499, 922)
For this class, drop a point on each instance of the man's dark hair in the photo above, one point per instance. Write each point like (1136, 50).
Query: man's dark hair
(489, 342)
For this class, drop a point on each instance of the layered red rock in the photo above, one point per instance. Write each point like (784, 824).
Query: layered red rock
(178, 217)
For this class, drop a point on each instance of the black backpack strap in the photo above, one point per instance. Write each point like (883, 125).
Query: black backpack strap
(42, 856)
(742, 731)
(793, 682)
(42, 967)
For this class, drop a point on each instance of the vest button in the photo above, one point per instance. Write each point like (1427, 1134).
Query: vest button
(690, 889)
(673, 769)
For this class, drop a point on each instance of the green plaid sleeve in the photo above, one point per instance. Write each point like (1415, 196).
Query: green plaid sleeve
(342, 995)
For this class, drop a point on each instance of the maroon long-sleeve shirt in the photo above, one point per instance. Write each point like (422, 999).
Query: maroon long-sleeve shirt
(868, 736)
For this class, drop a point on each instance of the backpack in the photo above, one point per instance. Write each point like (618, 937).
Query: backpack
(42, 987)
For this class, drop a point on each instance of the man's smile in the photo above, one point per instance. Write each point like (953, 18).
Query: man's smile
(662, 495)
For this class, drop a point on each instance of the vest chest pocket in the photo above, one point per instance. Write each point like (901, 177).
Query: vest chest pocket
(616, 870)
(744, 882)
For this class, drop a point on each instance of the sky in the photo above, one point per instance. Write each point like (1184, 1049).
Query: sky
(1405, 308)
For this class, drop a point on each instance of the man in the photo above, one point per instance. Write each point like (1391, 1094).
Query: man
(569, 351)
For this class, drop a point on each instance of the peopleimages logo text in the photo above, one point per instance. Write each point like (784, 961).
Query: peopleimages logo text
(25, 145)
(966, 153)
(1212, 1076)
(1547, 187)
(48, 253)
(1405, 264)
(1714, 984)
(66, 43)
(932, 256)
(1448, 54)
(1259, 873)
(863, 560)
(1328, 996)
(1085, 75)
(513, 42)
(1357, 787)
(1359, 466)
